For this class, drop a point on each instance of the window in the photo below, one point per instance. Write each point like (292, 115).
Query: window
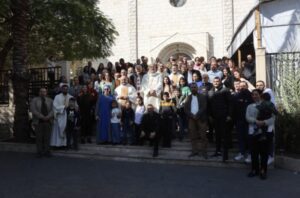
(177, 3)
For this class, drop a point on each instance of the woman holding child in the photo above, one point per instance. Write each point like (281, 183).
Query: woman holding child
(260, 116)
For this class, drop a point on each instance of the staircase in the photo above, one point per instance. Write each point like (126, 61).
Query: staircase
(178, 154)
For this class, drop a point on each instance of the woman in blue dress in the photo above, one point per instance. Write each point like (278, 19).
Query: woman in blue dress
(103, 115)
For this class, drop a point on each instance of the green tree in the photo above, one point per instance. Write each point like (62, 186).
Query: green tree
(68, 29)
(31, 30)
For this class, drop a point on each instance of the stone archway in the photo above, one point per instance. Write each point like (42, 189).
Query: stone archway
(176, 49)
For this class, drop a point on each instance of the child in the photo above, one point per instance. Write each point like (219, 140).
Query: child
(127, 120)
(180, 119)
(72, 125)
(115, 122)
(139, 112)
(167, 110)
(184, 88)
(266, 109)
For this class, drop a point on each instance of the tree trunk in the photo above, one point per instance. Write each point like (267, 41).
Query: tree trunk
(4, 52)
(20, 75)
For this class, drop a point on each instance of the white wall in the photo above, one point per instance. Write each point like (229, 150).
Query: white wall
(117, 11)
(158, 21)
(241, 9)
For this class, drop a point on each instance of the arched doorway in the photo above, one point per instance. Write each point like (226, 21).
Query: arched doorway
(176, 50)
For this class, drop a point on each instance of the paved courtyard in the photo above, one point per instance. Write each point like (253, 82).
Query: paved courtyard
(22, 175)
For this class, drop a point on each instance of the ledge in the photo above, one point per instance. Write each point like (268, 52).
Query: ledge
(288, 163)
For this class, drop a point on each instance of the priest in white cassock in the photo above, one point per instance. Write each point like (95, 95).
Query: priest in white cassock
(60, 103)
(152, 87)
(124, 92)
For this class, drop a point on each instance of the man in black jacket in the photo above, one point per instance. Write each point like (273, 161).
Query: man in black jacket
(241, 100)
(150, 128)
(220, 113)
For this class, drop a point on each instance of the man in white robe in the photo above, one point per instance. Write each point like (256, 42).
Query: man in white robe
(60, 103)
(124, 92)
(152, 87)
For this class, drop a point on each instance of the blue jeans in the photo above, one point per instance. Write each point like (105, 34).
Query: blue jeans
(242, 131)
(115, 132)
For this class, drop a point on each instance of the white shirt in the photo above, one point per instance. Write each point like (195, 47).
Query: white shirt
(189, 77)
(139, 112)
(114, 113)
(194, 105)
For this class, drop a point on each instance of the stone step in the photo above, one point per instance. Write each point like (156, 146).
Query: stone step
(140, 152)
(197, 161)
(130, 153)
(175, 148)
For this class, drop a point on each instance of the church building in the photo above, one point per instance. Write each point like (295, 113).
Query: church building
(164, 28)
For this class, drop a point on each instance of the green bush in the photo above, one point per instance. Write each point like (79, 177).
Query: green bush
(288, 132)
(287, 90)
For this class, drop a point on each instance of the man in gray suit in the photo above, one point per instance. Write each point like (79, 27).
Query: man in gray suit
(42, 112)
(196, 110)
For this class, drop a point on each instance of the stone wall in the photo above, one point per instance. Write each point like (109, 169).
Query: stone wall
(207, 26)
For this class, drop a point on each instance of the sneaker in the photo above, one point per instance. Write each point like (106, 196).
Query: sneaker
(239, 157)
(270, 160)
(248, 159)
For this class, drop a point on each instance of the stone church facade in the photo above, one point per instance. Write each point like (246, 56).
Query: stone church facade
(161, 28)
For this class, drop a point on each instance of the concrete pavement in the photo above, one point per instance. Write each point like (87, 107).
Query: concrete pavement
(24, 176)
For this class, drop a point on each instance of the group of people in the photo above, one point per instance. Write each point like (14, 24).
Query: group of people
(136, 103)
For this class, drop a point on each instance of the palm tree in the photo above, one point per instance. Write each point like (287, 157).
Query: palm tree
(20, 77)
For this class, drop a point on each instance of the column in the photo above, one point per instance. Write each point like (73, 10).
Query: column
(228, 23)
(133, 30)
(260, 61)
